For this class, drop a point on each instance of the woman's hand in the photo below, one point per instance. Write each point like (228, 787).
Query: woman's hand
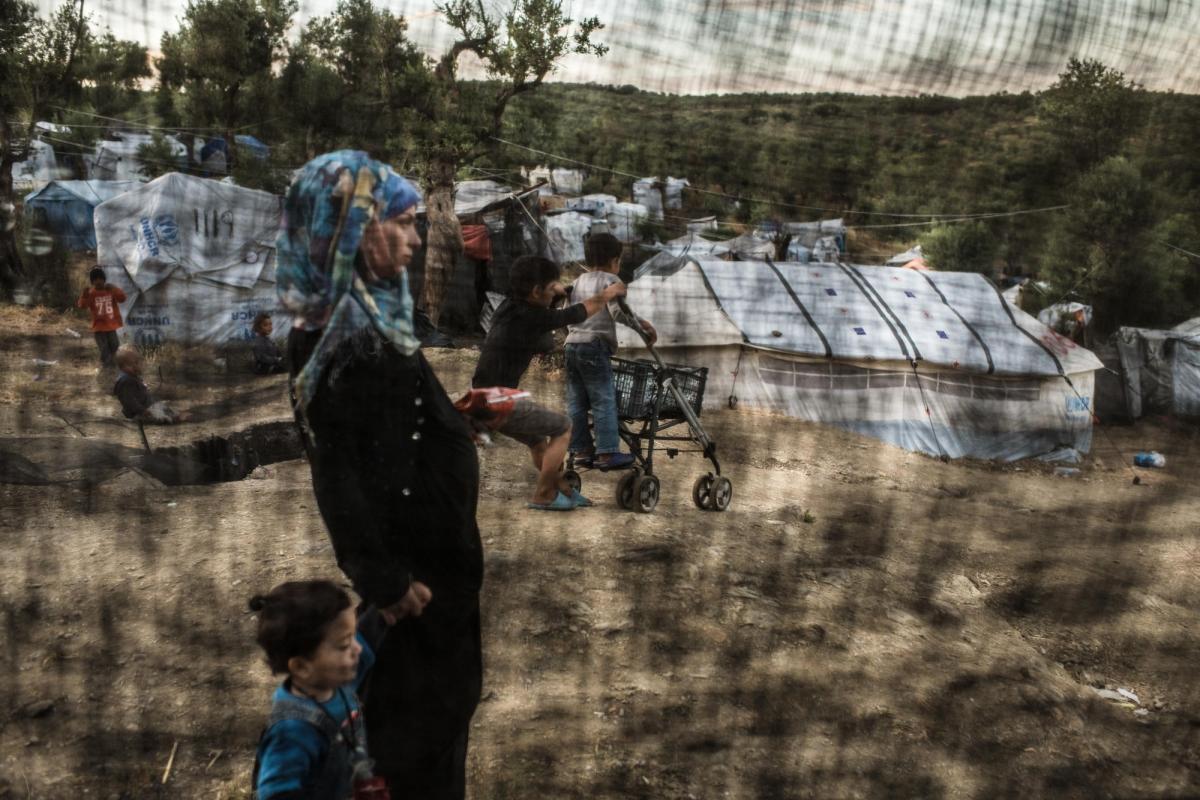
(411, 605)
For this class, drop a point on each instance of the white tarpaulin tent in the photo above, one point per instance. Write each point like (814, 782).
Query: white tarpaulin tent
(692, 244)
(196, 259)
(1161, 369)
(836, 344)
(565, 234)
(38, 169)
(560, 180)
(597, 204)
(624, 219)
(117, 159)
(647, 194)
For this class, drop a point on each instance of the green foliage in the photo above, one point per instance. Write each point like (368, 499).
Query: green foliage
(350, 79)
(222, 48)
(651, 230)
(1104, 250)
(157, 157)
(115, 69)
(1092, 110)
(961, 247)
(257, 173)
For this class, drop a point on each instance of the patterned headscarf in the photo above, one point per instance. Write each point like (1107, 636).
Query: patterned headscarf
(326, 210)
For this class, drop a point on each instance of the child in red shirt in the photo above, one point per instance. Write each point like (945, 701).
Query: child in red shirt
(101, 299)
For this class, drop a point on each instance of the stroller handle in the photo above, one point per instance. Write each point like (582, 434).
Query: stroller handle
(645, 336)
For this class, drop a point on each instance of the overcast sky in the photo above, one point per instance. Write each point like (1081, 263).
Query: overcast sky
(866, 46)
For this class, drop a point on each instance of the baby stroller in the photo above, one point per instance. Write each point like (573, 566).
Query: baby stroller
(659, 402)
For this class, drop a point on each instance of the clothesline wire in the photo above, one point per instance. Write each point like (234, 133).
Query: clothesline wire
(1180, 249)
(161, 127)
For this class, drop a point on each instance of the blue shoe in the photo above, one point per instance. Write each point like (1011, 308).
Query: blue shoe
(560, 503)
(609, 461)
(579, 500)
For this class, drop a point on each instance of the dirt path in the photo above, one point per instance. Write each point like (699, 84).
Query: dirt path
(933, 630)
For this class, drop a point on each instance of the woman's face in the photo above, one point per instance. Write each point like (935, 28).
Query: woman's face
(388, 246)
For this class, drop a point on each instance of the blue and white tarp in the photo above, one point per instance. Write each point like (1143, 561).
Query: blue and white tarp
(936, 362)
(65, 209)
(196, 259)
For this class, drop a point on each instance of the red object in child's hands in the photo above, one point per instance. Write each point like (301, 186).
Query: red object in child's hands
(491, 405)
(375, 788)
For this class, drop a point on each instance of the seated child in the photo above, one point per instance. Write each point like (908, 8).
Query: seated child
(267, 358)
(101, 299)
(315, 742)
(590, 344)
(520, 329)
(131, 390)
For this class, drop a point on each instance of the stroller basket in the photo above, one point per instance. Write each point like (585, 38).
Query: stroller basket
(637, 389)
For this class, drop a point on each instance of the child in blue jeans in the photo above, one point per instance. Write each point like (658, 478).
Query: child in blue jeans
(590, 344)
(315, 743)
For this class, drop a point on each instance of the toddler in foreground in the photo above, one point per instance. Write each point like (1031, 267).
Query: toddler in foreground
(315, 742)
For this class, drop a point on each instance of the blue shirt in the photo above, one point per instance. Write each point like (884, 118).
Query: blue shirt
(293, 749)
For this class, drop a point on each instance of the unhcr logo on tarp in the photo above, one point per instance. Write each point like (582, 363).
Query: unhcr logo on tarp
(149, 234)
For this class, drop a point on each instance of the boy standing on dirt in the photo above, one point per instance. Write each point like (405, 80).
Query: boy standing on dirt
(131, 390)
(522, 328)
(101, 299)
(590, 344)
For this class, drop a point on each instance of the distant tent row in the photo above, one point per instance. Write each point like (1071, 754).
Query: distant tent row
(932, 362)
(823, 240)
(115, 157)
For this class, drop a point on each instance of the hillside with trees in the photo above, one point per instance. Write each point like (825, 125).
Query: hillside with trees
(1092, 185)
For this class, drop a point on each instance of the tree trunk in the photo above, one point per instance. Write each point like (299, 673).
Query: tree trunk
(443, 242)
(11, 267)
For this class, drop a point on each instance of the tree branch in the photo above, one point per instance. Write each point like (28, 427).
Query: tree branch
(446, 67)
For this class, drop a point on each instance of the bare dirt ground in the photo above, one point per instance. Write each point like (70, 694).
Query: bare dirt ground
(863, 622)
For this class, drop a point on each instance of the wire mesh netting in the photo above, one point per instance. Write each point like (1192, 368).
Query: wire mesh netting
(928, 267)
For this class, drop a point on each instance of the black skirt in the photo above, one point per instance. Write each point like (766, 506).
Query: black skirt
(396, 478)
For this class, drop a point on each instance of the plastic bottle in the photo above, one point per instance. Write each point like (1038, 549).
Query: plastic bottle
(1151, 459)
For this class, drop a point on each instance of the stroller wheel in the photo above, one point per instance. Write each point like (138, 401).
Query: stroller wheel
(722, 493)
(625, 490)
(573, 480)
(702, 491)
(645, 493)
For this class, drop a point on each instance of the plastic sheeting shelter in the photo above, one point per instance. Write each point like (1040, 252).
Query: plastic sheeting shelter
(38, 169)
(565, 234)
(117, 159)
(65, 209)
(1161, 369)
(561, 181)
(624, 220)
(647, 194)
(836, 344)
(196, 259)
(600, 205)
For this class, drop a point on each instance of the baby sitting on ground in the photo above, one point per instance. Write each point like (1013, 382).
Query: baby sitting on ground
(131, 390)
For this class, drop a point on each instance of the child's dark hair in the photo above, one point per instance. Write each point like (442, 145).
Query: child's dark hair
(97, 272)
(259, 319)
(294, 617)
(601, 248)
(530, 272)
